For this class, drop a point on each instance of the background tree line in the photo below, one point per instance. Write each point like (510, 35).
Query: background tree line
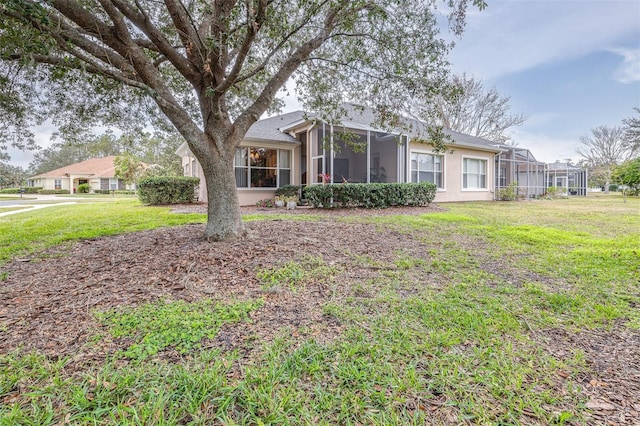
(608, 149)
(158, 150)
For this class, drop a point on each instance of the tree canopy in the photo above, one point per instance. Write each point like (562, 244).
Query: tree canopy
(632, 128)
(211, 68)
(628, 174)
(605, 148)
(10, 176)
(473, 110)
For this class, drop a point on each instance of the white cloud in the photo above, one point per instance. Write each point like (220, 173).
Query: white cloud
(511, 36)
(629, 69)
(548, 148)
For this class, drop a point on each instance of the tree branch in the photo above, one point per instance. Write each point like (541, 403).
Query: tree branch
(157, 41)
(259, 106)
(187, 32)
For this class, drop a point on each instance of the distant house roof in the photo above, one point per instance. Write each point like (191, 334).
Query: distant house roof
(562, 166)
(99, 167)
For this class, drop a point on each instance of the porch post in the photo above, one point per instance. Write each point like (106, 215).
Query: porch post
(368, 156)
(331, 153)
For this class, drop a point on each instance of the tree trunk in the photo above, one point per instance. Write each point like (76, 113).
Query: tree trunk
(224, 220)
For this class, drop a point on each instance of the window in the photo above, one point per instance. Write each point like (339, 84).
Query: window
(113, 184)
(57, 184)
(262, 167)
(193, 167)
(474, 173)
(427, 168)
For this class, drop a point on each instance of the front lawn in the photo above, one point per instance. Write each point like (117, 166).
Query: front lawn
(476, 313)
(26, 233)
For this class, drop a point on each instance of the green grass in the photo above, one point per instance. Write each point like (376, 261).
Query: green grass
(12, 208)
(29, 232)
(445, 333)
(154, 327)
(15, 197)
(293, 274)
(99, 196)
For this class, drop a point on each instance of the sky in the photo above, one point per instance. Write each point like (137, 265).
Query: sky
(567, 65)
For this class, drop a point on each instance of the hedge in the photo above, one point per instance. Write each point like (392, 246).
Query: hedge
(167, 190)
(370, 195)
(27, 190)
(288, 191)
(53, 191)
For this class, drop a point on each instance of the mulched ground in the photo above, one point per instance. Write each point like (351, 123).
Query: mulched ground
(47, 302)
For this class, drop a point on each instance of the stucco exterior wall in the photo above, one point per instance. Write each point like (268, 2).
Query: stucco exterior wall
(246, 196)
(453, 181)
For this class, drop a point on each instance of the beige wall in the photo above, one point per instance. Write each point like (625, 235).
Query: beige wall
(50, 183)
(246, 196)
(453, 190)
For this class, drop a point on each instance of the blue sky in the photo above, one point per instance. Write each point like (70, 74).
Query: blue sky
(567, 65)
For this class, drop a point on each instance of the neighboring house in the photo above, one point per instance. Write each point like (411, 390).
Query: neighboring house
(570, 179)
(516, 164)
(298, 149)
(99, 173)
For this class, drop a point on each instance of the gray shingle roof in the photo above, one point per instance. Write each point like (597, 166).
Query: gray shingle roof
(269, 128)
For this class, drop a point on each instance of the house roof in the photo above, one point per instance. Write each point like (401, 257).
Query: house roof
(364, 118)
(276, 128)
(102, 167)
(269, 128)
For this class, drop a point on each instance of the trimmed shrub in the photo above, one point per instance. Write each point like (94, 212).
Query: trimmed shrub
(27, 190)
(613, 187)
(370, 195)
(288, 191)
(11, 191)
(269, 203)
(124, 192)
(84, 188)
(509, 193)
(101, 191)
(168, 190)
(53, 191)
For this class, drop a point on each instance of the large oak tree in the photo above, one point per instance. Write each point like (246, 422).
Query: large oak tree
(212, 67)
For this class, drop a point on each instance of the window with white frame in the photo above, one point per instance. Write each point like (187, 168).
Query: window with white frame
(474, 173)
(57, 184)
(113, 184)
(427, 168)
(262, 167)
